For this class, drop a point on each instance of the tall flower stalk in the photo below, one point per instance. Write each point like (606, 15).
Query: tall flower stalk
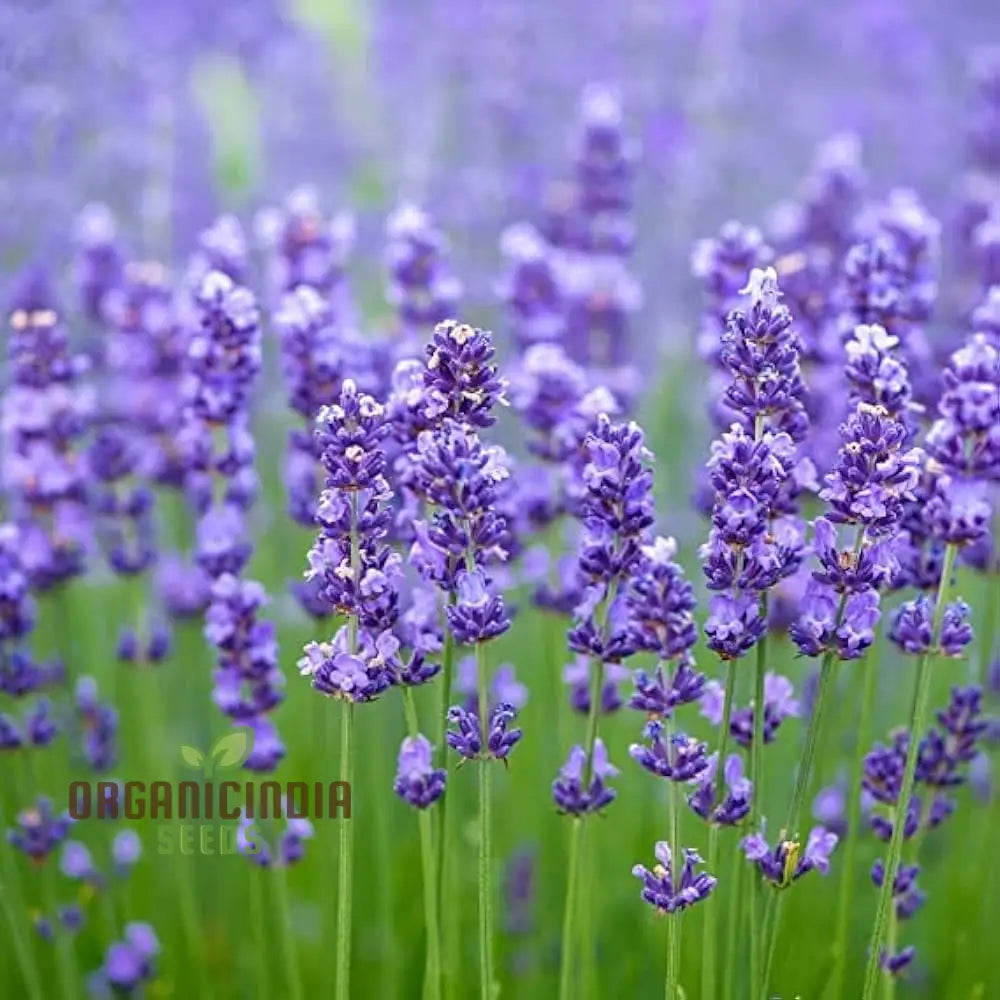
(962, 445)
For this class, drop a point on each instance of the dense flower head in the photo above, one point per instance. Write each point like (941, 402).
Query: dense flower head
(461, 476)
(461, 373)
(912, 626)
(679, 758)
(418, 782)
(722, 264)
(360, 675)
(661, 602)
(39, 830)
(761, 352)
(248, 680)
(572, 792)
(348, 436)
(668, 891)
(876, 373)
(479, 613)
(844, 624)
(787, 861)
(780, 703)
(658, 695)
(965, 438)
(466, 738)
(875, 472)
(734, 624)
(707, 799)
(224, 353)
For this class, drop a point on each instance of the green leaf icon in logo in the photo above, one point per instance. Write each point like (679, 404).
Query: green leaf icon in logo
(192, 756)
(232, 750)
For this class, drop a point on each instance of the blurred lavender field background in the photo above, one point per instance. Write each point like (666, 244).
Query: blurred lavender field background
(146, 144)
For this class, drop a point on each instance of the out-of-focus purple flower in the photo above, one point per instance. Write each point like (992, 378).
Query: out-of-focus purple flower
(39, 830)
(302, 247)
(571, 793)
(252, 844)
(128, 964)
(727, 809)
(830, 808)
(577, 675)
(504, 685)
(97, 724)
(99, 262)
(418, 782)
(779, 704)
(668, 891)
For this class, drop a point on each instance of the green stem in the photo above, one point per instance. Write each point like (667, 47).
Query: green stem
(673, 919)
(569, 914)
(22, 948)
(446, 811)
(803, 774)
(288, 937)
(485, 847)
(918, 722)
(757, 779)
(732, 932)
(432, 969)
(345, 863)
(708, 947)
(260, 940)
(869, 671)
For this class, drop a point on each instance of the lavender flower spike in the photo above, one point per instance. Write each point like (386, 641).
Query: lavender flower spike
(568, 789)
(418, 782)
(669, 892)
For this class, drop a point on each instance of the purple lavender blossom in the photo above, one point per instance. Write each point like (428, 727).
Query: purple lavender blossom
(667, 893)
(722, 809)
(418, 782)
(128, 964)
(251, 842)
(568, 789)
(786, 862)
(681, 758)
(577, 676)
(39, 830)
(466, 738)
(97, 726)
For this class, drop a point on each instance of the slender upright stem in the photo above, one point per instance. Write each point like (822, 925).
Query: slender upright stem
(733, 937)
(288, 937)
(918, 721)
(566, 991)
(673, 919)
(260, 948)
(446, 813)
(757, 778)
(432, 970)
(708, 947)
(345, 864)
(485, 847)
(868, 667)
(803, 774)
(345, 858)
